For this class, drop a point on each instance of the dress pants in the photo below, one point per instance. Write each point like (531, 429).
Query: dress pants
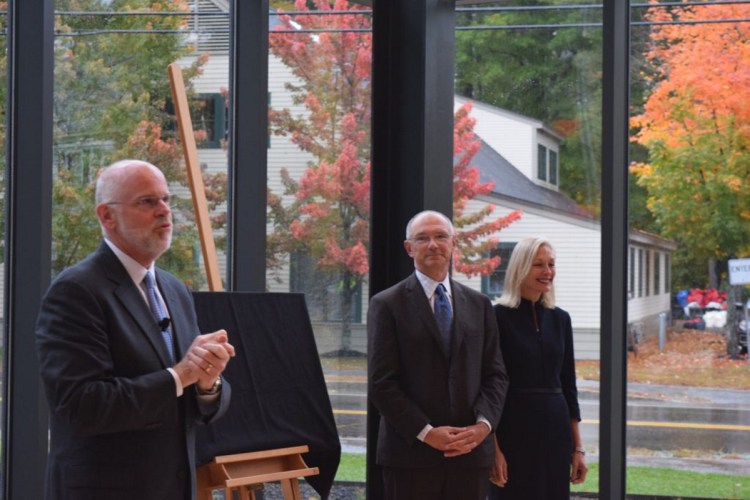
(444, 483)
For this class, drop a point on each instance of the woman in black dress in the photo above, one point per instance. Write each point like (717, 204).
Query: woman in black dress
(538, 444)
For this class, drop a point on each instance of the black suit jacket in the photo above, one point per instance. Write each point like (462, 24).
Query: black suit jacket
(117, 428)
(413, 382)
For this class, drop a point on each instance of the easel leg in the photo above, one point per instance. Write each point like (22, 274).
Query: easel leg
(246, 493)
(290, 487)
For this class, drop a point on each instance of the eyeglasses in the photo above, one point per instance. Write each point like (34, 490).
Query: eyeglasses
(440, 239)
(145, 203)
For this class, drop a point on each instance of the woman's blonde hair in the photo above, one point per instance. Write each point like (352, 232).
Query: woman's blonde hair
(518, 268)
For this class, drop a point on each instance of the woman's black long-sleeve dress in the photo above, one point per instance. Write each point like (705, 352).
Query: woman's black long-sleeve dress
(535, 432)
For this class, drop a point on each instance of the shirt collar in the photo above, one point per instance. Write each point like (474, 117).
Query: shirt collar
(136, 271)
(429, 285)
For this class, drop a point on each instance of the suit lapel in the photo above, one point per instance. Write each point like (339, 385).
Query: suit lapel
(459, 304)
(133, 302)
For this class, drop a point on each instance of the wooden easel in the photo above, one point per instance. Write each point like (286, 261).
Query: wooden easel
(195, 179)
(241, 472)
(244, 472)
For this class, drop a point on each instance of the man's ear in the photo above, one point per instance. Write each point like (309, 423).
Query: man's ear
(105, 215)
(407, 246)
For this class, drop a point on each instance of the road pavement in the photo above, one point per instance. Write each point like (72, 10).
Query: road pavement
(698, 429)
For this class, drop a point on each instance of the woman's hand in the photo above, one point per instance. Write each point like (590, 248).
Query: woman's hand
(578, 468)
(499, 470)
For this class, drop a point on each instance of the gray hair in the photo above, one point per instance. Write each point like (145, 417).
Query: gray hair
(424, 213)
(111, 177)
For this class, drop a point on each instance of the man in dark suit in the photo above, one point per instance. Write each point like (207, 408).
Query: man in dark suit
(127, 374)
(440, 391)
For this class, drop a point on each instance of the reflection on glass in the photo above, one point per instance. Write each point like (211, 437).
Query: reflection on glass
(112, 100)
(319, 190)
(689, 387)
(532, 76)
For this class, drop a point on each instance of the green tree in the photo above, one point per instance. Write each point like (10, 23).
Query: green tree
(110, 102)
(550, 73)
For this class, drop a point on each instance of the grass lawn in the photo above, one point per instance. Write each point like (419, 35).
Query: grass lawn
(674, 483)
(640, 480)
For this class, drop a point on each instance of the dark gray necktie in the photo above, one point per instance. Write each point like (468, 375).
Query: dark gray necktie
(160, 315)
(443, 315)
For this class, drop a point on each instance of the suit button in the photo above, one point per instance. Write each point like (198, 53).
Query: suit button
(181, 474)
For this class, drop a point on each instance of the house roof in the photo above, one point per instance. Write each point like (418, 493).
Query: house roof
(511, 184)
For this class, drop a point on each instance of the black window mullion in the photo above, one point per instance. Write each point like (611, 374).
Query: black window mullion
(28, 233)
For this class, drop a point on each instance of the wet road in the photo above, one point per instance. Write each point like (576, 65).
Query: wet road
(660, 418)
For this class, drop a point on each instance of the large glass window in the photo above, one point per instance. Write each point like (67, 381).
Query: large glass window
(688, 383)
(319, 80)
(525, 73)
(532, 72)
(112, 100)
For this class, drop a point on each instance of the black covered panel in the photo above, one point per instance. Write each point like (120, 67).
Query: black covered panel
(279, 396)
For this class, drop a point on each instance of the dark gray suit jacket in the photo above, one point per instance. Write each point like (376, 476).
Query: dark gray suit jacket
(117, 429)
(413, 382)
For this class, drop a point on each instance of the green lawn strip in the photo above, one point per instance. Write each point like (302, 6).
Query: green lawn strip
(640, 480)
(660, 481)
(352, 468)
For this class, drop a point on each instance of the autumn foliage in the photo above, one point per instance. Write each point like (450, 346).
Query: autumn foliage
(476, 234)
(332, 197)
(696, 126)
(327, 211)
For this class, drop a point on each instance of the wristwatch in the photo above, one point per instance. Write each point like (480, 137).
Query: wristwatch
(213, 390)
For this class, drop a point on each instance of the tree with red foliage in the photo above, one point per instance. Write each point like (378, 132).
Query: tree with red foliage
(329, 216)
(475, 233)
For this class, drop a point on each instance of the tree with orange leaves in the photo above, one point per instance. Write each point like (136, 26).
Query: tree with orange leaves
(696, 126)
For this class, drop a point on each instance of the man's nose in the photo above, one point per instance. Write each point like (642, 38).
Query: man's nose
(163, 207)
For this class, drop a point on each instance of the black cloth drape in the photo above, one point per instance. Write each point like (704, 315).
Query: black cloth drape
(279, 396)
